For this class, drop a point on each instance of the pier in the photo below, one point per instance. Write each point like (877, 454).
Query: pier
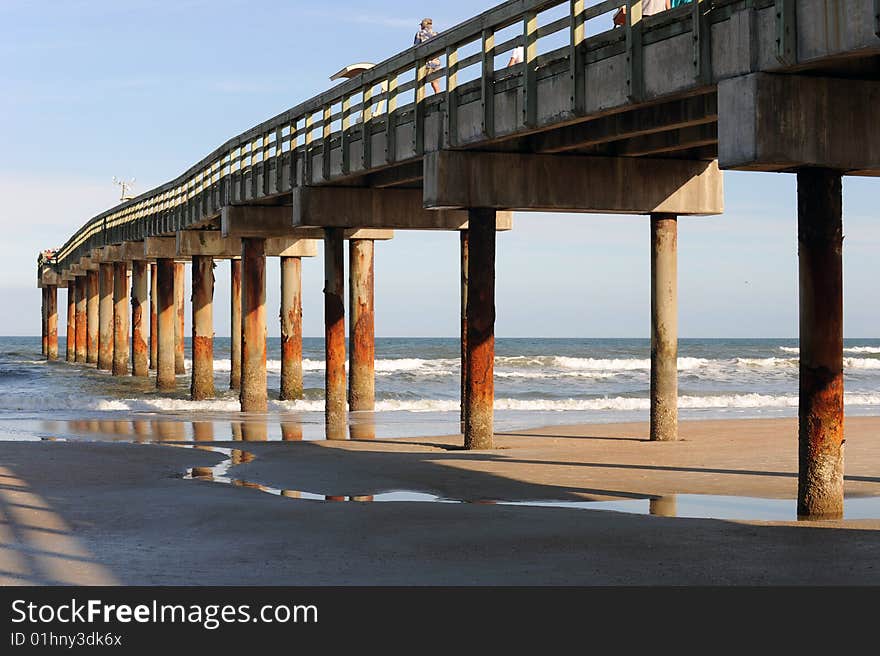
(641, 119)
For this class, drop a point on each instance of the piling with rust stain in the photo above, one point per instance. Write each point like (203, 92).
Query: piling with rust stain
(52, 322)
(139, 315)
(105, 317)
(463, 237)
(664, 328)
(71, 321)
(180, 325)
(235, 328)
(81, 319)
(334, 334)
(480, 392)
(120, 319)
(291, 329)
(362, 333)
(253, 394)
(166, 319)
(202, 384)
(820, 435)
(154, 320)
(93, 296)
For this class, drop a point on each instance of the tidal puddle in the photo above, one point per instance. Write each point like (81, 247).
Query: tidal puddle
(694, 506)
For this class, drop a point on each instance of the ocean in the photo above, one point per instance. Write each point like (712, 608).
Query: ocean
(538, 382)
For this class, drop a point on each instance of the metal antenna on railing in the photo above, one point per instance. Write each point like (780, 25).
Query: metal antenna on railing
(127, 186)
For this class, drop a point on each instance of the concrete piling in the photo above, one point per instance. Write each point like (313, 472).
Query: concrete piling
(253, 394)
(139, 317)
(92, 315)
(334, 334)
(480, 363)
(362, 333)
(821, 413)
(154, 321)
(120, 319)
(463, 239)
(664, 327)
(105, 317)
(202, 385)
(291, 329)
(81, 319)
(166, 319)
(180, 325)
(44, 323)
(71, 321)
(52, 322)
(235, 328)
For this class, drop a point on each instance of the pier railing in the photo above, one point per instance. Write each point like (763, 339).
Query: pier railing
(298, 144)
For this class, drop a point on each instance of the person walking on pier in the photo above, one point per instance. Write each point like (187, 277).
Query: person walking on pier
(649, 8)
(426, 33)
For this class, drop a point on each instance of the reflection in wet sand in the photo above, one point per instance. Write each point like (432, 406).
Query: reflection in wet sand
(203, 431)
(663, 506)
(333, 498)
(362, 426)
(254, 431)
(143, 430)
(291, 431)
(236, 431)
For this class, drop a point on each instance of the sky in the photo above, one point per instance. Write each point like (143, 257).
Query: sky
(94, 89)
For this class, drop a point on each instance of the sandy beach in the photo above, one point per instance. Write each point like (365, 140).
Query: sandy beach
(74, 512)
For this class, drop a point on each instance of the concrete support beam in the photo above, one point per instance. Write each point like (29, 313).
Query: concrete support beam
(267, 221)
(664, 327)
(821, 414)
(51, 322)
(86, 264)
(202, 385)
(180, 326)
(81, 319)
(362, 333)
(191, 243)
(291, 247)
(610, 185)
(166, 319)
(358, 207)
(154, 320)
(120, 319)
(785, 122)
(235, 329)
(71, 321)
(160, 247)
(291, 329)
(253, 394)
(133, 251)
(334, 335)
(93, 296)
(105, 317)
(480, 361)
(140, 316)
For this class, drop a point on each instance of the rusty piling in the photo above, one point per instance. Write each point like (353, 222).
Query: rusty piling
(81, 319)
(93, 298)
(166, 319)
(253, 394)
(362, 333)
(463, 238)
(202, 384)
(180, 325)
(334, 334)
(120, 319)
(52, 322)
(291, 329)
(480, 392)
(664, 327)
(71, 321)
(105, 317)
(820, 412)
(154, 320)
(139, 316)
(44, 323)
(235, 328)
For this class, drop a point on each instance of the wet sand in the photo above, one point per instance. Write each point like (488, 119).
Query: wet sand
(117, 513)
